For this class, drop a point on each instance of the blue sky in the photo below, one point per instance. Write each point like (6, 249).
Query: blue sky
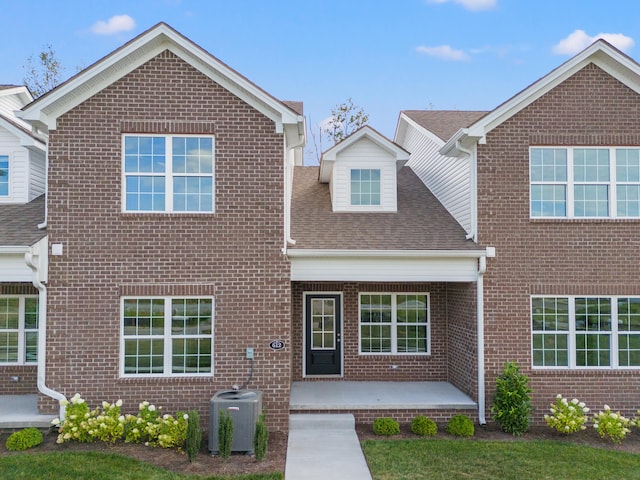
(387, 55)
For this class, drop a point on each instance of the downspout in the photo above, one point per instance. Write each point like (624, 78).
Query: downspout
(482, 268)
(289, 166)
(42, 332)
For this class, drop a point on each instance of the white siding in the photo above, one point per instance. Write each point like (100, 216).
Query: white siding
(364, 154)
(37, 174)
(448, 178)
(8, 105)
(14, 269)
(363, 269)
(18, 167)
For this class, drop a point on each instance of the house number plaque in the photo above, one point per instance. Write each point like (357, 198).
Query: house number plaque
(277, 345)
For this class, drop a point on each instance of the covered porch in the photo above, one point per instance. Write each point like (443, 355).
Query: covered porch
(20, 411)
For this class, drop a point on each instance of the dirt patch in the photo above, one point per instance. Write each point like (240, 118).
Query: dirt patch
(587, 437)
(171, 459)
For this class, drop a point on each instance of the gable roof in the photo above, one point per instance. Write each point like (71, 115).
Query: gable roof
(443, 123)
(420, 223)
(26, 137)
(44, 111)
(601, 53)
(19, 223)
(328, 158)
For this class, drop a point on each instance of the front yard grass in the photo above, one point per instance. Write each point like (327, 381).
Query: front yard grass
(96, 466)
(539, 459)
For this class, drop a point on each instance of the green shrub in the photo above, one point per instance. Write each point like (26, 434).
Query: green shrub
(611, 425)
(194, 435)
(23, 439)
(386, 426)
(567, 417)
(423, 426)
(261, 438)
(460, 426)
(511, 407)
(225, 434)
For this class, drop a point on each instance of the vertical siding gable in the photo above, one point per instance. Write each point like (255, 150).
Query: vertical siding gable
(448, 178)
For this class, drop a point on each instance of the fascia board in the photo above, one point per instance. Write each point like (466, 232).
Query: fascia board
(25, 139)
(320, 253)
(424, 131)
(14, 249)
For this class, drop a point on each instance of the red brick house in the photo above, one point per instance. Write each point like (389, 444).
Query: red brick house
(551, 179)
(184, 236)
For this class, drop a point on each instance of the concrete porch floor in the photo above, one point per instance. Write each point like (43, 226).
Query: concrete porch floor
(19, 411)
(343, 395)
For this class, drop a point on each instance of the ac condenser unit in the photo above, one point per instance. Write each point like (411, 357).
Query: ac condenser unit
(244, 407)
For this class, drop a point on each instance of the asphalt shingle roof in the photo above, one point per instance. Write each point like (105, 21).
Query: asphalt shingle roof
(19, 223)
(421, 222)
(444, 123)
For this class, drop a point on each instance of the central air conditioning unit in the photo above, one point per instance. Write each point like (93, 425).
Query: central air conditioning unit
(244, 407)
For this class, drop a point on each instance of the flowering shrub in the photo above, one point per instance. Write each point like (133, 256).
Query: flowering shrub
(567, 417)
(109, 425)
(611, 425)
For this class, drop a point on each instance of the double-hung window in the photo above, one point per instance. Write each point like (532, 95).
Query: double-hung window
(18, 329)
(4, 176)
(365, 186)
(585, 332)
(164, 336)
(169, 173)
(584, 182)
(394, 323)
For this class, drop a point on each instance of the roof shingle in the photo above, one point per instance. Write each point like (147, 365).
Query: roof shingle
(444, 123)
(421, 222)
(19, 223)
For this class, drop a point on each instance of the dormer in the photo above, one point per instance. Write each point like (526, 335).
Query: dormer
(22, 154)
(361, 172)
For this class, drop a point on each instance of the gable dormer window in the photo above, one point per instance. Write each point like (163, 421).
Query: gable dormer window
(4, 176)
(365, 186)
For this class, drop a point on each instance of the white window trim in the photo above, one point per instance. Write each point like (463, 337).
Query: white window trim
(365, 208)
(394, 324)
(570, 183)
(168, 175)
(9, 195)
(21, 331)
(571, 332)
(166, 337)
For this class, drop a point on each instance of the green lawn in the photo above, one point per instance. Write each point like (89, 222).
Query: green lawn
(469, 459)
(96, 466)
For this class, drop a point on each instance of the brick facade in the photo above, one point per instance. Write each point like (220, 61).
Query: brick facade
(555, 257)
(233, 255)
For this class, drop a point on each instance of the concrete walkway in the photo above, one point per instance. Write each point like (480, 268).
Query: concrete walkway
(324, 446)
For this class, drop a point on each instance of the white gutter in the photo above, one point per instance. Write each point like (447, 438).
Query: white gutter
(313, 253)
(14, 249)
(289, 166)
(42, 330)
(482, 268)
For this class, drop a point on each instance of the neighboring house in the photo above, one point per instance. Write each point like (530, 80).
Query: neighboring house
(23, 244)
(551, 179)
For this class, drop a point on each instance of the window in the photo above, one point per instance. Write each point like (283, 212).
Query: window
(167, 336)
(585, 332)
(585, 182)
(4, 176)
(168, 174)
(365, 187)
(19, 329)
(394, 323)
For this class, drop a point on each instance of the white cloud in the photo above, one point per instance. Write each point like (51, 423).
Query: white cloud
(444, 52)
(473, 5)
(579, 40)
(117, 23)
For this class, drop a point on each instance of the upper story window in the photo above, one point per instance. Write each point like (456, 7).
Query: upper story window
(580, 182)
(4, 176)
(168, 173)
(365, 186)
(585, 332)
(19, 329)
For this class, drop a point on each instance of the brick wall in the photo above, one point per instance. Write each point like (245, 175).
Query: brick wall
(462, 361)
(358, 367)
(233, 254)
(583, 257)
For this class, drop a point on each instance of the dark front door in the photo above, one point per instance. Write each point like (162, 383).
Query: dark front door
(323, 334)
